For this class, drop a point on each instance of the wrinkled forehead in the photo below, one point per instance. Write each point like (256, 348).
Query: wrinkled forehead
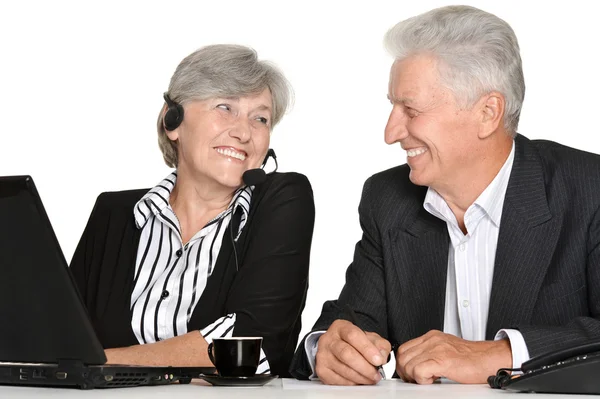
(412, 75)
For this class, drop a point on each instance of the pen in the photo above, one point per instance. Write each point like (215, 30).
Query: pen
(351, 317)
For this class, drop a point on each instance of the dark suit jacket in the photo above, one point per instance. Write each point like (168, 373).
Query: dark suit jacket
(546, 279)
(268, 292)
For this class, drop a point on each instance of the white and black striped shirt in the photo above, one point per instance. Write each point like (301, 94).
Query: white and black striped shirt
(170, 276)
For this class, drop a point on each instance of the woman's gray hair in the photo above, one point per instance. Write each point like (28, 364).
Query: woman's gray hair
(223, 70)
(477, 52)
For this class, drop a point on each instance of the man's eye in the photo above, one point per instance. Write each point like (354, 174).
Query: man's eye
(411, 112)
(225, 107)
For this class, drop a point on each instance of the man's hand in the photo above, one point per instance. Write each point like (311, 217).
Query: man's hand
(349, 356)
(435, 354)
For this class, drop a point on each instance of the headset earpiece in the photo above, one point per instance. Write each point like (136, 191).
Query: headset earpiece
(174, 114)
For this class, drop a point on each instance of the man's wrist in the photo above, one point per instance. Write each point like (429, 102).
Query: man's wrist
(311, 346)
(501, 352)
(518, 347)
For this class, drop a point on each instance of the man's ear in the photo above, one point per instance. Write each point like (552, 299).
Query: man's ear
(492, 112)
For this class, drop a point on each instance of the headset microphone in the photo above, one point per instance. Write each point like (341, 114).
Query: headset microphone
(252, 177)
(270, 153)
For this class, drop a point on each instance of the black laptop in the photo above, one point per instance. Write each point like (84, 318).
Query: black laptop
(46, 337)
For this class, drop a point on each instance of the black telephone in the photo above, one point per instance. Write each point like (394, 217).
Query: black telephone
(570, 370)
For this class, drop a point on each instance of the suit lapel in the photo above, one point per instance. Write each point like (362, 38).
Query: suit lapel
(420, 254)
(526, 238)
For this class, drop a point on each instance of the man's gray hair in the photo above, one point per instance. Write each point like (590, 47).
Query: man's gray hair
(223, 70)
(477, 52)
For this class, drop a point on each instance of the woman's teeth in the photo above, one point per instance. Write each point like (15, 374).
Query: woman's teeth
(231, 153)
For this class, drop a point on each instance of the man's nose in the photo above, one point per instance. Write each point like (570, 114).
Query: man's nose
(396, 129)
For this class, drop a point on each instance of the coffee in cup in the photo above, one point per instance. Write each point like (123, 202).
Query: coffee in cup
(235, 356)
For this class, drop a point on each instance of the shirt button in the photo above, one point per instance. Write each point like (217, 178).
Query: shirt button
(466, 303)
(164, 294)
(179, 253)
(462, 247)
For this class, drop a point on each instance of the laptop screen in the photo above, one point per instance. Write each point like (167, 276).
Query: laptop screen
(43, 318)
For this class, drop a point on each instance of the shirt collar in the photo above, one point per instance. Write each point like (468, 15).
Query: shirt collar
(490, 200)
(156, 200)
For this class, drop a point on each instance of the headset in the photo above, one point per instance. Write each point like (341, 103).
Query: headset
(252, 177)
(174, 115)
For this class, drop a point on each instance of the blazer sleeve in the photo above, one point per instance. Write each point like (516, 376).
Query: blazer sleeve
(364, 290)
(542, 339)
(268, 293)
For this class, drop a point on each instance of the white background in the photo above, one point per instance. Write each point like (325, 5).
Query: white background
(81, 84)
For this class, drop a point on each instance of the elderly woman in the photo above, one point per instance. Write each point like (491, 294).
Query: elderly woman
(204, 255)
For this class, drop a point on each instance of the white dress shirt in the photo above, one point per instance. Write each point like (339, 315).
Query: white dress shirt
(471, 259)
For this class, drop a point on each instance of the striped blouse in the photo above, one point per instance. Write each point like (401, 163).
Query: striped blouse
(170, 276)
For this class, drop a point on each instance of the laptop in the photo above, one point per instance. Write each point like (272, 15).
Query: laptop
(46, 336)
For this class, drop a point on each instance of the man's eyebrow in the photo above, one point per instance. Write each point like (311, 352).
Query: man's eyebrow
(402, 100)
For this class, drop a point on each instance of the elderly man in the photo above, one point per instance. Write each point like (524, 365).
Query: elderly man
(483, 250)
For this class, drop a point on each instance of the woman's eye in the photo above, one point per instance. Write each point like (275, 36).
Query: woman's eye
(226, 107)
(262, 120)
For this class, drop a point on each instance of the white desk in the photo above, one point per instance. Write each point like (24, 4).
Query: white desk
(279, 388)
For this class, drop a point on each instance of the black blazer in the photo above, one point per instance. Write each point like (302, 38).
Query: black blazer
(546, 280)
(268, 292)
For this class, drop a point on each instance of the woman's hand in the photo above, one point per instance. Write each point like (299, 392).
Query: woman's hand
(188, 350)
